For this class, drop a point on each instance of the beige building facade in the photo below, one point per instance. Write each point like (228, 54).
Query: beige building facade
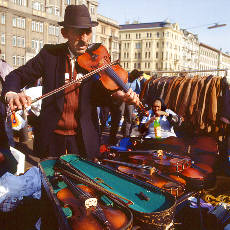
(163, 46)
(26, 25)
(107, 33)
(151, 46)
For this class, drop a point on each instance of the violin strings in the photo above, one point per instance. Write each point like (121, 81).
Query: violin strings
(112, 73)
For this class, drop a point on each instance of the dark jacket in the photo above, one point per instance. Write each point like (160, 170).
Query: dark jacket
(50, 64)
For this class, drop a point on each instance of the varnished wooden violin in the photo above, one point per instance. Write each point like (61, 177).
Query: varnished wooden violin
(88, 214)
(172, 183)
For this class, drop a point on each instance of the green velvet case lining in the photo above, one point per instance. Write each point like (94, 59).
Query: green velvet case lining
(158, 200)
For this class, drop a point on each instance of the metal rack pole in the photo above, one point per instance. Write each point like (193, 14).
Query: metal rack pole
(193, 71)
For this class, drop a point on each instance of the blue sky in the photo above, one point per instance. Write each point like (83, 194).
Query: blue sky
(193, 15)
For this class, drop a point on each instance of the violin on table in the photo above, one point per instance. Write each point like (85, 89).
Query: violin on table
(171, 183)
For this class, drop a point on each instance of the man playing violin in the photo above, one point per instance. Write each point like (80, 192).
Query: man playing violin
(68, 119)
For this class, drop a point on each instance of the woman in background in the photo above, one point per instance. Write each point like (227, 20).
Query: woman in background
(166, 117)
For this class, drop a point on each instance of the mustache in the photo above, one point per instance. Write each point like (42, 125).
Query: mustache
(82, 43)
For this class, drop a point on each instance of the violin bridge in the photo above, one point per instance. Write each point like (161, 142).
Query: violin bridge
(91, 202)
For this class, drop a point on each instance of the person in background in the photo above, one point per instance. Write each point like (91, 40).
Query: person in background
(127, 110)
(117, 109)
(68, 119)
(167, 119)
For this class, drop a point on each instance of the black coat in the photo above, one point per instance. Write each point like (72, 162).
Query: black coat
(50, 64)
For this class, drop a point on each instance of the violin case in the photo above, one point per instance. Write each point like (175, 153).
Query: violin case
(151, 207)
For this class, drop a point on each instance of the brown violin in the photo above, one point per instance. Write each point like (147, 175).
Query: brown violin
(172, 183)
(198, 171)
(166, 162)
(88, 214)
(113, 76)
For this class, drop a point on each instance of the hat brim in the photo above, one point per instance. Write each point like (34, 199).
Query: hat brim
(92, 24)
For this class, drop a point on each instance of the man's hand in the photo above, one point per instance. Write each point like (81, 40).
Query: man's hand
(130, 97)
(17, 101)
(161, 113)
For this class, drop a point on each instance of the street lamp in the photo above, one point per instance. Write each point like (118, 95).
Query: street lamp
(216, 25)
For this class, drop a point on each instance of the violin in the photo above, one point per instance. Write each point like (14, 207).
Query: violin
(88, 214)
(113, 76)
(198, 171)
(166, 162)
(172, 183)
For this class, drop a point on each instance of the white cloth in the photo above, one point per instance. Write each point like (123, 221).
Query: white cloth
(35, 92)
(166, 129)
(14, 188)
(5, 69)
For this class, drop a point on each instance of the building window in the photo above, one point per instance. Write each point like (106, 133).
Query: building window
(138, 45)
(33, 44)
(19, 22)
(23, 23)
(57, 31)
(23, 42)
(14, 22)
(92, 11)
(103, 29)
(56, 11)
(14, 60)
(18, 60)
(3, 56)
(156, 54)
(3, 39)
(37, 26)
(14, 41)
(18, 41)
(41, 27)
(22, 60)
(158, 34)
(3, 19)
(33, 25)
(41, 44)
(68, 2)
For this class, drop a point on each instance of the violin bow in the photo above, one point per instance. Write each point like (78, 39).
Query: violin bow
(79, 80)
(68, 170)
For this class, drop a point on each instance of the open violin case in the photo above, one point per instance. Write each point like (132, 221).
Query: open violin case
(145, 205)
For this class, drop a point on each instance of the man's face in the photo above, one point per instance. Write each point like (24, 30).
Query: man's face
(78, 39)
(156, 106)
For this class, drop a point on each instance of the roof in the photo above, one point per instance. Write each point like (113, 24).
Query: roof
(144, 25)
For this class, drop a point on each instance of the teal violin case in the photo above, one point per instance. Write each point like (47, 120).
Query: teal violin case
(151, 207)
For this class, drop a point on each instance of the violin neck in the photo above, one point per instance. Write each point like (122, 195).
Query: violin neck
(97, 211)
(193, 165)
(145, 167)
(77, 191)
(117, 79)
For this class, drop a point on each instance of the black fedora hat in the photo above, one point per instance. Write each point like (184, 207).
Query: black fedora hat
(77, 16)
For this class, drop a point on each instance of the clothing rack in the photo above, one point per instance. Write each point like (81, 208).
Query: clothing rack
(194, 71)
